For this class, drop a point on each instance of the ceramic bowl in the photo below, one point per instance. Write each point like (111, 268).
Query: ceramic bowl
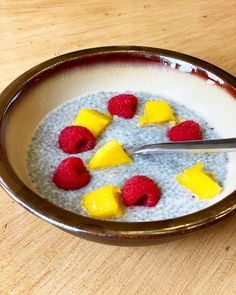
(206, 89)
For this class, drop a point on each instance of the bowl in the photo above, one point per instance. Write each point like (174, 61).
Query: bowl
(201, 86)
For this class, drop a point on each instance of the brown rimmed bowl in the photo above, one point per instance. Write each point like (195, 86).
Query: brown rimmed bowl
(199, 85)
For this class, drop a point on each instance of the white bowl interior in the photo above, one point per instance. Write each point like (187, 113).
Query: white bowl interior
(210, 101)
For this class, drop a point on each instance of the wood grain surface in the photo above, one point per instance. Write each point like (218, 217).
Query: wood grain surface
(37, 258)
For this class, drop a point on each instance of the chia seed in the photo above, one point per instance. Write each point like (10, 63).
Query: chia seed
(44, 155)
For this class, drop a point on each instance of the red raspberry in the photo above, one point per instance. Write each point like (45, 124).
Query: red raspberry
(188, 130)
(141, 190)
(123, 105)
(71, 174)
(76, 139)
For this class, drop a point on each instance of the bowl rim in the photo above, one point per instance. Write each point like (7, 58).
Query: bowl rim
(86, 226)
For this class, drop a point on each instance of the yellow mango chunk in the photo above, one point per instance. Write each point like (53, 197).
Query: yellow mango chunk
(93, 120)
(157, 112)
(199, 182)
(111, 154)
(104, 202)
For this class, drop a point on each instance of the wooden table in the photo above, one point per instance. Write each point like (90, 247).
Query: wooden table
(37, 258)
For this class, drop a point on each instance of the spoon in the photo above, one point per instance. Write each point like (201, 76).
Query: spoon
(198, 146)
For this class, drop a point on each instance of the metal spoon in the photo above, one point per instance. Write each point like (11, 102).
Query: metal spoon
(198, 146)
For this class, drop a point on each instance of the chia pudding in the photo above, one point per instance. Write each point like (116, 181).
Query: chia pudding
(44, 155)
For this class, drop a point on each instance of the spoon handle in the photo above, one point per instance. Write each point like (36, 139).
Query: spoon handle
(198, 146)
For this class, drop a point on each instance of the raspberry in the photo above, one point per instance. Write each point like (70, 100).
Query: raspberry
(123, 105)
(76, 139)
(71, 174)
(141, 190)
(188, 130)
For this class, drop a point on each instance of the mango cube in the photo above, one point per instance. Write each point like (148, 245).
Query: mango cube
(104, 202)
(199, 182)
(157, 112)
(93, 120)
(111, 154)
